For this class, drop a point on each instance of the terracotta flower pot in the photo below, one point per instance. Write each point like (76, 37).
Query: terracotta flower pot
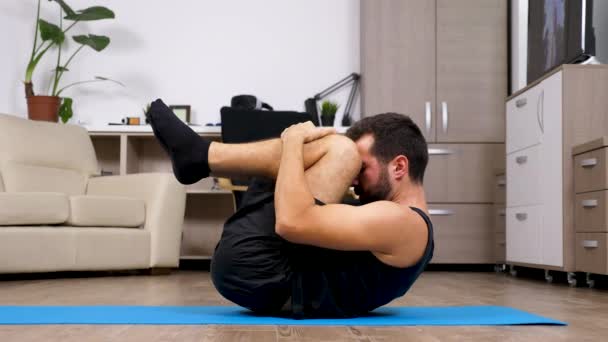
(43, 108)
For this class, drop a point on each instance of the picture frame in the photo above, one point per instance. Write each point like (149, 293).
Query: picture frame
(182, 112)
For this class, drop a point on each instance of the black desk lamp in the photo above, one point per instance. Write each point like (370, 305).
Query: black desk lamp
(311, 103)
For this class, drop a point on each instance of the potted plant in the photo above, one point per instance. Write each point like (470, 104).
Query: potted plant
(328, 113)
(48, 108)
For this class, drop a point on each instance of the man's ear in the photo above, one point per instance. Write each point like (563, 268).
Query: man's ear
(400, 166)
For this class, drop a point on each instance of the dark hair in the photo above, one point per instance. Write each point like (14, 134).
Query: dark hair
(394, 134)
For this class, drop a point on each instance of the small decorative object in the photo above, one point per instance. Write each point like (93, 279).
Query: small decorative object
(182, 112)
(49, 108)
(145, 110)
(328, 113)
(131, 120)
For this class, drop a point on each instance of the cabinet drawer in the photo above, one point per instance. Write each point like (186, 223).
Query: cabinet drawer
(590, 212)
(500, 189)
(523, 234)
(591, 253)
(500, 247)
(500, 223)
(590, 171)
(523, 177)
(523, 117)
(463, 233)
(461, 173)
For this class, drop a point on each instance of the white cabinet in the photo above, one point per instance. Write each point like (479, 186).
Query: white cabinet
(534, 175)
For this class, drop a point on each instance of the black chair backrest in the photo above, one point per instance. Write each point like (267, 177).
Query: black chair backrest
(247, 125)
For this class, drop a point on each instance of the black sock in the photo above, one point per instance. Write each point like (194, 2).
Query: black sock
(188, 151)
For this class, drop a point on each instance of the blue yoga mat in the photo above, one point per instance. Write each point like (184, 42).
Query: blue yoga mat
(227, 315)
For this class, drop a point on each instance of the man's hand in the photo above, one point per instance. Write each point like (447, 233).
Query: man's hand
(306, 132)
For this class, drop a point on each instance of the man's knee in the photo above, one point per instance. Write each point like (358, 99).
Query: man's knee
(345, 150)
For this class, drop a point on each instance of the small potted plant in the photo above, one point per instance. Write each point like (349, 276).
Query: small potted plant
(328, 113)
(48, 108)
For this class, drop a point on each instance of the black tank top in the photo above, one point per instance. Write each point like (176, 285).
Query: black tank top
(346, 284)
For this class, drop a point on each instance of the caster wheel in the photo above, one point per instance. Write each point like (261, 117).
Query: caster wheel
(590, 282)
(548, 277)
(572, 279)
(513, 271)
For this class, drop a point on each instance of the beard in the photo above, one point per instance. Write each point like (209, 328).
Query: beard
(379, 192)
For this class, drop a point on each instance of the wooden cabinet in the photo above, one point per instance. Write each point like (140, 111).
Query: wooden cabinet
(591, 206)
(534, 175)
(442, 62)
(544, 122)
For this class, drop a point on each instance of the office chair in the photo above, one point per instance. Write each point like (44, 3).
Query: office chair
(248, 125)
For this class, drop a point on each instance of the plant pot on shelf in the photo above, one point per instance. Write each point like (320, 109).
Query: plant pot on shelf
(43, 108)
(327, 120)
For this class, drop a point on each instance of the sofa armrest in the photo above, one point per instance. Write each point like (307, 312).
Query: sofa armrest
(165, 202)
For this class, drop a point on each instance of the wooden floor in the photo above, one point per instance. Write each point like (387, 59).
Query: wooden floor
(586, 310)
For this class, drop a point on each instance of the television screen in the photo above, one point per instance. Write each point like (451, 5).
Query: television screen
(547, 46)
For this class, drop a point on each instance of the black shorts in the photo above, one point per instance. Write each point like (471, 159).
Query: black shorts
(257, 269)
(251, 263)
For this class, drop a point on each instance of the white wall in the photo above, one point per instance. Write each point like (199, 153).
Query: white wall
(197, 52)
(519, 44)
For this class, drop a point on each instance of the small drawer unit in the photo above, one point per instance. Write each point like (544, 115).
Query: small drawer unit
(591, 206)
(590, 171)
(591, 254)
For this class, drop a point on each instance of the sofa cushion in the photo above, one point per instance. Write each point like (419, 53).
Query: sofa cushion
(19, 177)
(33, 208)
(106, 211)
(47, 144)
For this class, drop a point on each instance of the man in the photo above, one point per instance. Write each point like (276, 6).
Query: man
(292, 246)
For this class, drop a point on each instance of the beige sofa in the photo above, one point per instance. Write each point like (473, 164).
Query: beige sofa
(57, 214)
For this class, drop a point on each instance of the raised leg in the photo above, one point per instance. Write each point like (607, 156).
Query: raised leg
(331, 163)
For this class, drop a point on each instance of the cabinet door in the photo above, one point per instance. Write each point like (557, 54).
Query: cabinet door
(552, 154)
(462, 173)
(523, 234)
(464, 233)
(398, 60)
(471, 70)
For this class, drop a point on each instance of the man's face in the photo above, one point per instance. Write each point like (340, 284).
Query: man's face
(373, 182)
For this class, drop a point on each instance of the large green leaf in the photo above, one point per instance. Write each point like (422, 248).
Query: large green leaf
(91, 13)
(51, 32)
(67, 9)
(97, 43)
(65, 110)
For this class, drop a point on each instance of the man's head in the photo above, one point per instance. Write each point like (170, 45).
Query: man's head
(393, 151)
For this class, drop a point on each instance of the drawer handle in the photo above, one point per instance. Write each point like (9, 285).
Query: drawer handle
(441, 212)
(521, 216)
(590, 243)
(521, 159)
(591, 162)
(440, 151)
(502, 213)
(592, 203)
(502, 182)
(521, 102)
